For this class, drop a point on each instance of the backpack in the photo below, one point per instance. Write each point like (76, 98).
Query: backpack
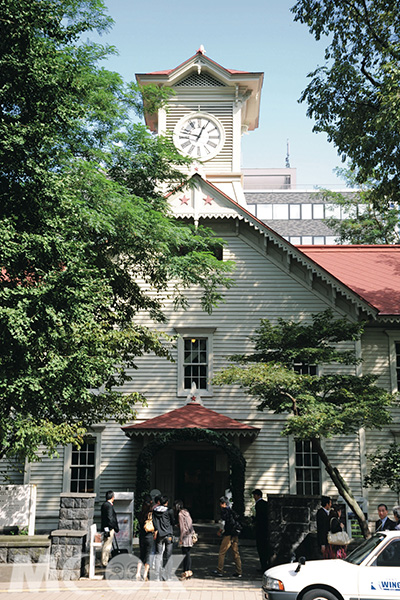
(237, 528)
(236, 524)
(148, 525)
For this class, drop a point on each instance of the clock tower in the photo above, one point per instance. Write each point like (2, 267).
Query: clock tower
(209, 111)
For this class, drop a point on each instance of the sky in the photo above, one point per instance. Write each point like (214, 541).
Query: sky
(256, 36)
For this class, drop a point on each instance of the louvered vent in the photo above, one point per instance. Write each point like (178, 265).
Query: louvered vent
(202, 80)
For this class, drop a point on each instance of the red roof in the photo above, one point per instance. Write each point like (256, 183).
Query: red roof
(373, 272)
(193, 416)
(168, 71)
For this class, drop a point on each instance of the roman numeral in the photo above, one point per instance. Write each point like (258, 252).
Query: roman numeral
(185, 144)
(211, 144)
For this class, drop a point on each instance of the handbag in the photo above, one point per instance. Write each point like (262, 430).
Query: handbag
(340, 538)
(195, 537)
(148, 525)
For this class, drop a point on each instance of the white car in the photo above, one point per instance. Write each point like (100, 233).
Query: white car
(370, 572)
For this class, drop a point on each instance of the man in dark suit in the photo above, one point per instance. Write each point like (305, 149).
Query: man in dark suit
(261, 528)
(323, 522)
(384, 522)
(109, 526)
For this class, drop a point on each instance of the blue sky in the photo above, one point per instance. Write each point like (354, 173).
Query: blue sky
(254, 36)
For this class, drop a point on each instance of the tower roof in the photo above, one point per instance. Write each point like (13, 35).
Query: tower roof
(247, 84)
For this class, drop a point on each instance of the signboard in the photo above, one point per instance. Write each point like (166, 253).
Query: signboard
(123, 505)
(18, 506)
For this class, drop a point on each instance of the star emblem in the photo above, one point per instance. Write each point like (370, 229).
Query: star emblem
(208, 200)
(184, 200)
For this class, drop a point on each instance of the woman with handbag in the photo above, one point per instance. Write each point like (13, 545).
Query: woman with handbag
(146, 538)
(186, 534)
(337, 537)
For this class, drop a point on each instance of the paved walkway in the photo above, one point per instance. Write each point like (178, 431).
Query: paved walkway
(202, 586)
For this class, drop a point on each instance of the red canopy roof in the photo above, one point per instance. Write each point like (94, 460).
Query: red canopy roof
(193, 415)
(373, 272)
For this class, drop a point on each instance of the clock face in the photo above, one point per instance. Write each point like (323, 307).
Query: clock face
(199, 136)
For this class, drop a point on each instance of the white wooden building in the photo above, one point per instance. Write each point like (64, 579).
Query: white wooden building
(210, 110)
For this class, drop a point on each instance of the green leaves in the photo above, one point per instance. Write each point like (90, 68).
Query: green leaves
(83, 223)
(320, 405)
(354, 97)
(385, 470)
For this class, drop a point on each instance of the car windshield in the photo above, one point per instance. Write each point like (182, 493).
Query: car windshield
(363, 550)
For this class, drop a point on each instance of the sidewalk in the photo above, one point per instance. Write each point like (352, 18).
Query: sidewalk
(202, 586)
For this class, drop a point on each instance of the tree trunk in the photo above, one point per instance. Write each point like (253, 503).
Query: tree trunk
(343, 489)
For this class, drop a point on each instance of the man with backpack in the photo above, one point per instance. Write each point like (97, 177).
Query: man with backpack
(229, 531)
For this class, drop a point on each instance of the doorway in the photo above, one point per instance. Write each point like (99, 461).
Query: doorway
(195, 470)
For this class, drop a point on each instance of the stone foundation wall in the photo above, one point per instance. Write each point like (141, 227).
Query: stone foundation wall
(292, 527)
(68, 554)
(16, 552)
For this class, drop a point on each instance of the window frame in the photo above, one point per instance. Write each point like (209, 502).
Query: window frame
(292, 468)
(95, 432)
(198, 332)
(393, 339)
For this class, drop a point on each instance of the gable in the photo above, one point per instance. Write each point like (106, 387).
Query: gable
(204, 203)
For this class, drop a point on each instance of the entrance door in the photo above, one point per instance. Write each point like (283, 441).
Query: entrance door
(195, 472)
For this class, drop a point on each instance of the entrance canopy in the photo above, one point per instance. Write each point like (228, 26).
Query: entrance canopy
(191, 416)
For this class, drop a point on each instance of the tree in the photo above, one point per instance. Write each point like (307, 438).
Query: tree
(385, 470)
(354, 96)
(321, 405)
(87, 242)
(364, 221)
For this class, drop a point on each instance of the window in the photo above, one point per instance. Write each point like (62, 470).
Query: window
(294, 211)
(195, 356)
(264, 212)
(195, 363)
(308, 470)
(307, 240)
(390, 555)
(318, 211)
(83, 467)
(281, 211)
(305, 369)
(306, 211)
(397, 347)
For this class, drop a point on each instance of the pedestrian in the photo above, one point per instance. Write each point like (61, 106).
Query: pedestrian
(261, 528)
(163, 518)
(396, 514)
(146, 538)
(185, 538)
(230, 539)
(384, 523)
(323, 525)
(336, 526)
(109, 526)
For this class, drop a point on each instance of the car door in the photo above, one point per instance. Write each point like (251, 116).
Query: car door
(381, 579)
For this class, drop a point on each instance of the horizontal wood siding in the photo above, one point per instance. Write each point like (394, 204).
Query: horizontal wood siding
(11, 472)
(48, 477)
(264, 288)
(375, 355)
(223, 111)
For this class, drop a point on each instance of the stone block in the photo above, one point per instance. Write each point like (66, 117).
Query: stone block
(79, 513)
(67, 502)
(3, 555)
(300, 515)
(19, 555)
(65, 524)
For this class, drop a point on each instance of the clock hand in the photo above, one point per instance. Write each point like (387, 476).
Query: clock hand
(201, 131)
